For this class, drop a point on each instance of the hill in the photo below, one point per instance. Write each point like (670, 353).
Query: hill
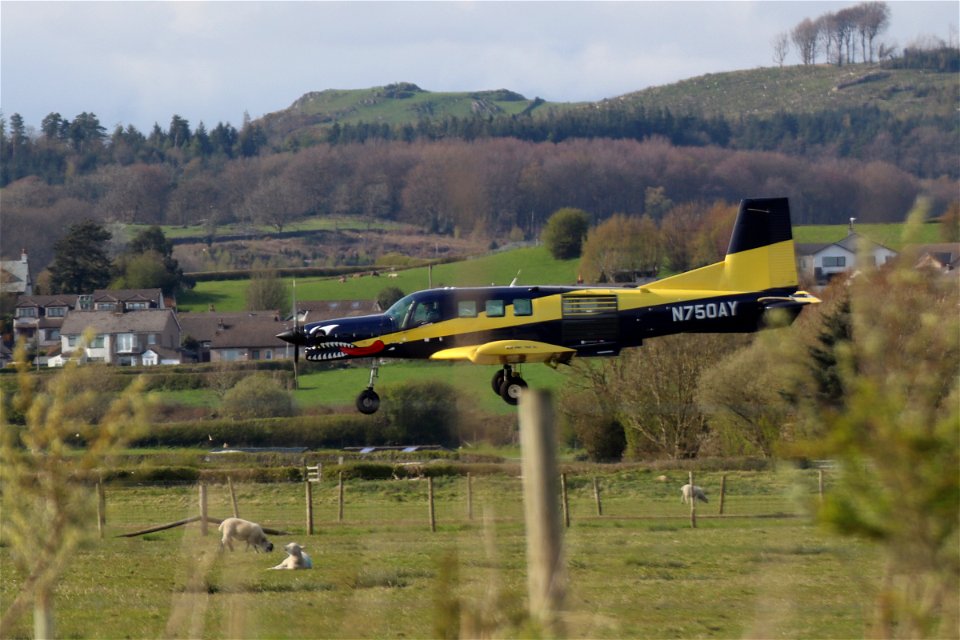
(807, 89)
(401, 103)
(800, 89)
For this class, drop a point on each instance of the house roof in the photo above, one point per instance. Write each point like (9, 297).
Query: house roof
(60, 300)
(205, 325)
(248, 329)
(15, 275)
(945, 253)
(849, 244)
(108, 322)
(128, 295)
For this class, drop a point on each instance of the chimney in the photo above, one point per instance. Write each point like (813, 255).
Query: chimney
(23, 256)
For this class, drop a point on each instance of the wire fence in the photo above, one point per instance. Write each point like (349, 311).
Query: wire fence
(458, 500)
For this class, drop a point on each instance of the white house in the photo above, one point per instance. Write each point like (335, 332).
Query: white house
(148, 336)
(820, 262)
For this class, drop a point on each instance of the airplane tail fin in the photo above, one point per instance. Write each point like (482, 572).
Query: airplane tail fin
(760, 256)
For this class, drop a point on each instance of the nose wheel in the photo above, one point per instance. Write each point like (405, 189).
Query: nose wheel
(369, 401)
(508, 384)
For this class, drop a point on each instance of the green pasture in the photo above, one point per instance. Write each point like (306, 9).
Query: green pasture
(640, 570)
(534, 264)
(315, 223)
(338, 388)
(891, 236)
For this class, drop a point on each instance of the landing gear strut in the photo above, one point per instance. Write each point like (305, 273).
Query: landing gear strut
(368, 401)
(508, 384)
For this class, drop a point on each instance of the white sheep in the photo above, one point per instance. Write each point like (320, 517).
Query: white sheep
(296, 558)
(688, 492)
(244, 531)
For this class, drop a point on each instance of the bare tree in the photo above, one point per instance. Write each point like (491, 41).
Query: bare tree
(874, 18)
(781, 47)
(804, 37)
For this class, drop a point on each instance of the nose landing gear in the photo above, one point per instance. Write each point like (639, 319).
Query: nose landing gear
(369, 401)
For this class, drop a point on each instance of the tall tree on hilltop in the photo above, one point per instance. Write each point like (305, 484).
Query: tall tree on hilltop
(81, 263)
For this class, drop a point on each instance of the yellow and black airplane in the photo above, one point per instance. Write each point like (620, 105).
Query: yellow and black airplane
(513, 325)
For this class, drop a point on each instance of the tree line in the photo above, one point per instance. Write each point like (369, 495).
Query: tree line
(491, 188)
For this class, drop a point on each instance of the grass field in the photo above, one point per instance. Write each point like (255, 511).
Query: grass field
(637, 571)
(337, 388)
(534, 264)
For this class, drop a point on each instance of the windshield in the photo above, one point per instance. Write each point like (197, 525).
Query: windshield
(398, 311)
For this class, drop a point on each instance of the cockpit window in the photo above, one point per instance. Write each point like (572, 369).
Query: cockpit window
(425, 312)
(398, 311)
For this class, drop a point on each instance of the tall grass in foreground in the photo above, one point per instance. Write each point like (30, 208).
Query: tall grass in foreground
(639, 572)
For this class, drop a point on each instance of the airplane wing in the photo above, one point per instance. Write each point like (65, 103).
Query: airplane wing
(508, 352)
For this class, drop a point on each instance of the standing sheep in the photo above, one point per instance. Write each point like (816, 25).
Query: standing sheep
(244, 531)
(688, 492)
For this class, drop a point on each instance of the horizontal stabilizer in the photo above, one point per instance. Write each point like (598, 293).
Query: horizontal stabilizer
(507, 352)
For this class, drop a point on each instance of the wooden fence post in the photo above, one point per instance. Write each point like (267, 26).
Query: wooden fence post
(693, 503)
(564, 500)
(101, 508)
(469, 497)
(820, 483)
(723, 491)
(203, 509)
(433, 515)
(308, 489)
(545, 580)
(233, 497)
(340, 497)
(596, 495)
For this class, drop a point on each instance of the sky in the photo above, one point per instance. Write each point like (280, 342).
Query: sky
(140, 63)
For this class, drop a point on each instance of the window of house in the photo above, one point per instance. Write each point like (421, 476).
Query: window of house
(151, 338)
(495, 308)
(126, 342)
(53, 334)
(522, 307)
(106, 306)
(97, 343)
(27, 312)
(255, 354)
(56, 312)
(467, 309)
(72, 341)
(834, 261)
(268, 354)
(137, 306)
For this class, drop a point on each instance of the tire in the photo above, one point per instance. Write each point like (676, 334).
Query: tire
(497, 381)
(368, 401)
(511, 389)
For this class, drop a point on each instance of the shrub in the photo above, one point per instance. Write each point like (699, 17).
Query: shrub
(258, 396)
(421, 412)
(565, 231)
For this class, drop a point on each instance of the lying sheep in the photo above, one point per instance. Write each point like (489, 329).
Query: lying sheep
(244, 531)
(687, 493)
(297, 558)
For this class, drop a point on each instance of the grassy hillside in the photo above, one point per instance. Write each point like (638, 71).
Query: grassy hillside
(806, 89)
(535, 265)
(764, 91)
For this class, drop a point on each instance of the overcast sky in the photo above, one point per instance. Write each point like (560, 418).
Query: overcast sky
(142, 62)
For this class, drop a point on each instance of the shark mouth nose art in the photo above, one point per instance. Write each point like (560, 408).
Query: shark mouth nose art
(333, 350)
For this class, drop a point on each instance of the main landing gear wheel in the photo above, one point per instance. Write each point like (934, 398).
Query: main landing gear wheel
(368, 401)
(511, 389)
(497, 381)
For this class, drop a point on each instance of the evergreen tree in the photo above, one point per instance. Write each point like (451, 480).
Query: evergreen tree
(81, 263)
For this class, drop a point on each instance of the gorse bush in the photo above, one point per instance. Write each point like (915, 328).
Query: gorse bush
(258, 396)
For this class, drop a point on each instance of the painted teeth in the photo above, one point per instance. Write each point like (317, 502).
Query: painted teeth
(326, 351)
